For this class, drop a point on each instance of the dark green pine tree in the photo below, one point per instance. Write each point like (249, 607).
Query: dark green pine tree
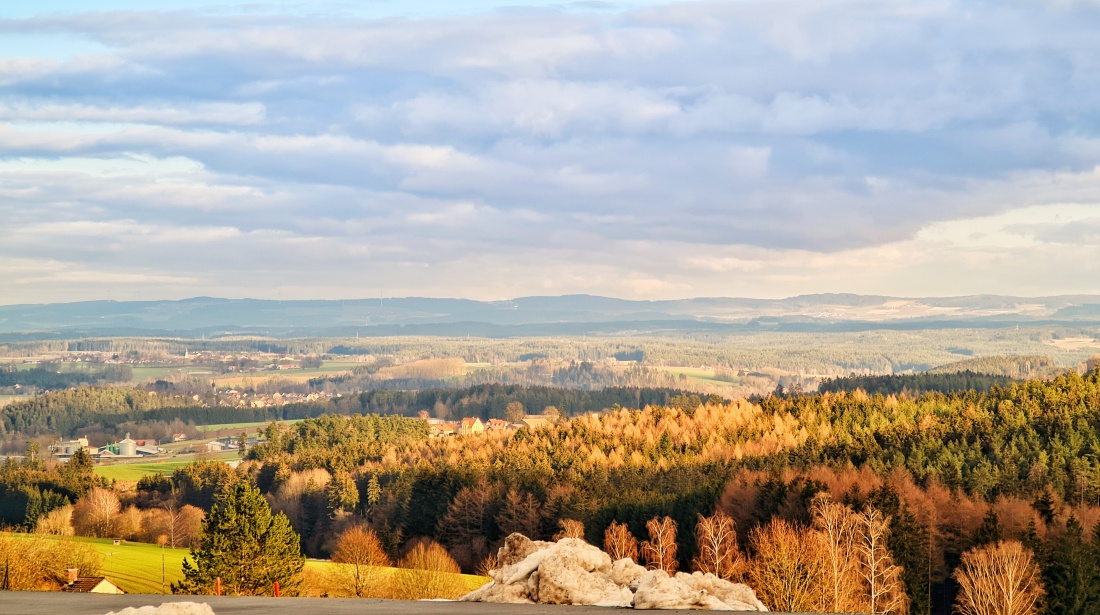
(989, 531)
(246, 546)
(342, 493)
(374, 491)
(1071, 576)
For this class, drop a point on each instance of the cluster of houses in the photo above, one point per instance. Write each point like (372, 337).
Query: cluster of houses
(126, 448)
(232, 398)
(474, 425)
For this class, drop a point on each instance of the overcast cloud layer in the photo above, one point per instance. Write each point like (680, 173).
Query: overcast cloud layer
(751, 148)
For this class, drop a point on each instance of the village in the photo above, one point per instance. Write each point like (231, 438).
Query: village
(129, 449)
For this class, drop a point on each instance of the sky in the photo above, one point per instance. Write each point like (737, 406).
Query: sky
(489, 150)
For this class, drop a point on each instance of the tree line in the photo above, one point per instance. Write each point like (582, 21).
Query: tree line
(50, 377)
(915, 384)
(65, 412)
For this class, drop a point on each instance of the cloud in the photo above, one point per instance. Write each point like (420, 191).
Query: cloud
(686, 148)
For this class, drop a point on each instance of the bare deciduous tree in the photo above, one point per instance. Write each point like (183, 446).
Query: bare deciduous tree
(882, 578)
(362, 549)
(718, 552)
(788, 567)
(188, 525)
(570, 528)
(128, 523)
(488, 564)
(659, 552)
(427, 571)
(619, 543)
(95, 513)
(999, 579)
(57, 522)
(514, 412)
(837, 525)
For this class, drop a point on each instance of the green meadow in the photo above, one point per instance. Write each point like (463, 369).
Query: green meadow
(696, 374)
(136, 568)
(131, 472)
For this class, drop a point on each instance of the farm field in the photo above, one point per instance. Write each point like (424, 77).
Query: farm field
(224, 426)
(698, 374)
(131, 472)
(147, 373)
(329, 368)
(136, 568)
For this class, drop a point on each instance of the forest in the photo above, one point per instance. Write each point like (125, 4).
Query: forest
(51, 377)
(825, 353)
(1015, 462)
(67, 412)
(951, 477)
(915, 384)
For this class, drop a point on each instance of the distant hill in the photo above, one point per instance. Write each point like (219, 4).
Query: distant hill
(1028, 366)
(563, 315)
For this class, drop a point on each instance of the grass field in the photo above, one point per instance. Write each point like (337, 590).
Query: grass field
(131, 472)
(697, 374)
(136, 568)
(147, 373)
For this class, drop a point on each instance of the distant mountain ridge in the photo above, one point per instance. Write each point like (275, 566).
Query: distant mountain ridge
(547, 314)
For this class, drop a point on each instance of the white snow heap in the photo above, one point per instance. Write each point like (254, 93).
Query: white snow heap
(168, 608)
(571, 571)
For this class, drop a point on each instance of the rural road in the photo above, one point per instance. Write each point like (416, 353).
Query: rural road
(57, 603)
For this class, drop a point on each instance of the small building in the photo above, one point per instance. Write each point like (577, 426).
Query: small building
(179, 437)
(90, 585)
(442, 430)
(470, 426)
(69, 447)
(497, 424)
(534, 421)
(127, 447)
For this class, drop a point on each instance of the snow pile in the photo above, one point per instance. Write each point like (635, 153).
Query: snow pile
(168, 608)
(572, 571)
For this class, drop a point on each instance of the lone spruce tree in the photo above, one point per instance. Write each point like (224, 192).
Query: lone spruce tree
(246, 546)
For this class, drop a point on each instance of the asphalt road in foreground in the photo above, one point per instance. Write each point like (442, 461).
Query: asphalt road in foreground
(57, 603)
